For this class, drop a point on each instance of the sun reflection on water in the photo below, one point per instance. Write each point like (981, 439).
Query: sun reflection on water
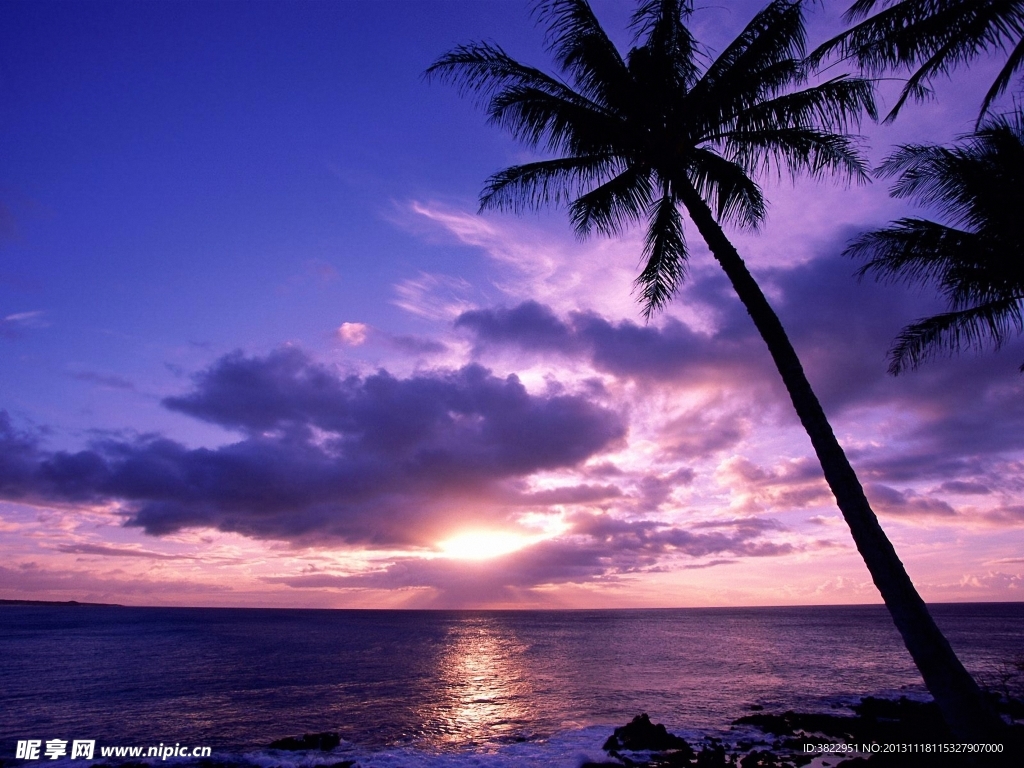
(484, 686)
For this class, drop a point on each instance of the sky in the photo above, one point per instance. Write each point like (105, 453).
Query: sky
(258, 347)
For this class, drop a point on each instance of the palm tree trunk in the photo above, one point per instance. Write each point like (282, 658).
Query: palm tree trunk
(965, 709)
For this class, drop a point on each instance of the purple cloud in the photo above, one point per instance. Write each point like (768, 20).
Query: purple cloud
(670, 352)
(907, 503)
(376, 460)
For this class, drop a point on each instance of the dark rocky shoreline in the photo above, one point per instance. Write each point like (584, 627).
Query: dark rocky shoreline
(795, 739)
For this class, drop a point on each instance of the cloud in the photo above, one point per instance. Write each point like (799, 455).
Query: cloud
(670, 352)
(567, 495)
(709, 564)
(1009, 514)
(531, 326)
(700, 433)
(376, 461)
(106, 550)
(416, 345)
(596, 547)
(541, 263)
(433, 297)
(352, 334)
(107, 381)
(791, 484)
(906, 503)
(965, 488)
(12, 326)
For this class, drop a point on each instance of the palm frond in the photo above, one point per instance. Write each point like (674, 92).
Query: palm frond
(837, 103)
(665, 256)
(714, 105)
(765, 57)
(533, 106)
(484, 69)
(652, 14)
(532, 185)
(583, 50)
(975, 258)
(929, 38)
(974, 183)
(944, 41)
(733, 196)
(973, 328)
(618, 202)
(662, 24)
(808, 151)
(535, 117)
(862, 8)
(911, 251)
(1002, 81)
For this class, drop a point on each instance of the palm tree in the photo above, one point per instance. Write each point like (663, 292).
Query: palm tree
(936, 37)
(977, 260)
(642, 138)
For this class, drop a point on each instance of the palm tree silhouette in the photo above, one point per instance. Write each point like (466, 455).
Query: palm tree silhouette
(642, 138)
(936, 37)
(977, 260)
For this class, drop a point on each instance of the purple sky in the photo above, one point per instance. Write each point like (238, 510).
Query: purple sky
(258, 348)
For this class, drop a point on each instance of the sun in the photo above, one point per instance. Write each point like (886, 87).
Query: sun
(482, 545)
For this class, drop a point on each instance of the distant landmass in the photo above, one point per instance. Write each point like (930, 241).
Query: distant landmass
(56, 602)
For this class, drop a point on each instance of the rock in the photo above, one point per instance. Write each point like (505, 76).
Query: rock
(325, 742)
(712, 757)
(761, 759)
(643, 735)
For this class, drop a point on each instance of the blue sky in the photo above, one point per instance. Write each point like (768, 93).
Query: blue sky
(208, 208)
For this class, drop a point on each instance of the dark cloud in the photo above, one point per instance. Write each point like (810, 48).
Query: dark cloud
(416, 345)
(374, 460)
(966, 488)
(107, 550)
(709, 564)
(655, 490)
(905, 503)
(530, 326)
(928, 463)
(104, 380)
(669, 352)
(570, 494)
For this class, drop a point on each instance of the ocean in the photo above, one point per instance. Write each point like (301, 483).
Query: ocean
(449, 688)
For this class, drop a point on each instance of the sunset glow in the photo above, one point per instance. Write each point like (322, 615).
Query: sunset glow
(482, 545)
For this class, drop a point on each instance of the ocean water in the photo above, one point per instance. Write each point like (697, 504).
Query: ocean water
(449, 688)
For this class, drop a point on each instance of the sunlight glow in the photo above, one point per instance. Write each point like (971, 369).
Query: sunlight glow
(482, 545)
